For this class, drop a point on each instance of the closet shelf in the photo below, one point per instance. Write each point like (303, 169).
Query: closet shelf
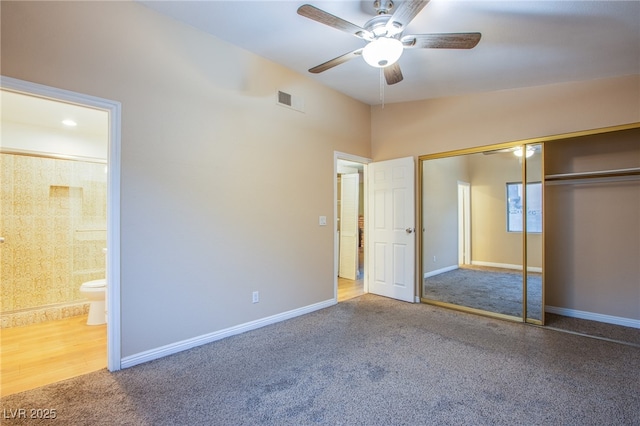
(635, 171)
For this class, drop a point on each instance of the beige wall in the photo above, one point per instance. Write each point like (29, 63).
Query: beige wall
(490, 241)
(447, 124)
(221, 189)
(440, 211)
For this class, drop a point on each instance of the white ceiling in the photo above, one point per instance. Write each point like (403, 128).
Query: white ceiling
(47, 113)
(524, 43)
(34, 124)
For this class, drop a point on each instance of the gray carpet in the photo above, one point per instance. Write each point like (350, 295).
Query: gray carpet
(366, 361)
(492, 290)
(597, 329)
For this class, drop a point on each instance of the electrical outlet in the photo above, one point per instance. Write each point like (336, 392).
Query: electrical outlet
(434, 258)
(255, 297)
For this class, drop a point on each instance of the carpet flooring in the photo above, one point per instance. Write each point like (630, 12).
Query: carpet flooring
(488, 289)
(618, 333)
(367, 361)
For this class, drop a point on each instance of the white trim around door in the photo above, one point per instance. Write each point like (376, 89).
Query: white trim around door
(113, 108)
(364, 161)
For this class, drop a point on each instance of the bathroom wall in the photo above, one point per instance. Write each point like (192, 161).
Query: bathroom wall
(53, 219)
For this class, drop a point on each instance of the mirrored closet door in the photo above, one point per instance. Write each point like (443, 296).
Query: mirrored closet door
(532, 234)
(482, 229)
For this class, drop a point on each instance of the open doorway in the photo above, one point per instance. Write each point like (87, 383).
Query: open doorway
(60, 214)
(350, 259)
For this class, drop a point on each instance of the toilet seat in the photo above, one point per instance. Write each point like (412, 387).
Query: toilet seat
(94, 284)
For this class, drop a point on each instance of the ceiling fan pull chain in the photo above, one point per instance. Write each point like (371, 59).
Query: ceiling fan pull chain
(381, 87)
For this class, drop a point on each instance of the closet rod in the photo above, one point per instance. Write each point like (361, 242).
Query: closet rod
(635, 171)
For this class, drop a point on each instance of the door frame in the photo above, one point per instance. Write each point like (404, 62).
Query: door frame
(113, 108)
(337, 155)
(464, 223)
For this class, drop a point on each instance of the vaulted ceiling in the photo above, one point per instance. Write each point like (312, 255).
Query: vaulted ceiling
(523, 44)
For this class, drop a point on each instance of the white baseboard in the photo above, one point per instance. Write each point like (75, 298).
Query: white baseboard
(440, 271)
(183, 345)
(506, 266)
(574, 313)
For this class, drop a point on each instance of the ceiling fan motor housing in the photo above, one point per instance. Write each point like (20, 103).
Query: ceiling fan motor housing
(377, 26)
(383, 6)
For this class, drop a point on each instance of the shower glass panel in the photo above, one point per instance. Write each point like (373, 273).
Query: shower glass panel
(53, 219)
(534, 208)
(471, 260)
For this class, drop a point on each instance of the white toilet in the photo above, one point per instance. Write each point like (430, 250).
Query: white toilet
(95, 291)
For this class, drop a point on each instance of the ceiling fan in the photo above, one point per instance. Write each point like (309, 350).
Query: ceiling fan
(383, 34)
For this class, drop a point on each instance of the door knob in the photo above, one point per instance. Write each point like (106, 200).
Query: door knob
(1, 240)
(410, 230)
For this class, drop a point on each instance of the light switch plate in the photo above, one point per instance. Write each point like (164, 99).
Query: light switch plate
(322, 221)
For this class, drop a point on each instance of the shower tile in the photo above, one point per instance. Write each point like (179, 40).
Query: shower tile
(60, 278)
(23, 266)
(6, 192)
(52, 314)
(22, 173)
(22, 203)
(42, 207)
(44, 168)
(7, 302)
(55, 295)
(23, 299)
(62, 173)
(6, 166)
(6, 270)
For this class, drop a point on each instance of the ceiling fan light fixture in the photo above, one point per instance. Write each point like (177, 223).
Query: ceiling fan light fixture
(528, 153)
(382, 52)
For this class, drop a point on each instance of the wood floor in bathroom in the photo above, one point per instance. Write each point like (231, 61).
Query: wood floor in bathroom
(348, 289)
(35, 355)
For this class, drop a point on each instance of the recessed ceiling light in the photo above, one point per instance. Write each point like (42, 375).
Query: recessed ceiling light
(69, 123)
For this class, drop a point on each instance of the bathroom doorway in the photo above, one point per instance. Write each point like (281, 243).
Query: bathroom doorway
(57, 223)
(349, 248)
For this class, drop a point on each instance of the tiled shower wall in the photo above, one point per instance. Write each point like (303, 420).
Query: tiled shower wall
(53, 219)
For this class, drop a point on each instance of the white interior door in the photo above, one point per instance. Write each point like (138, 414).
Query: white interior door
(464, 224)
(391, 189)
(348, 265)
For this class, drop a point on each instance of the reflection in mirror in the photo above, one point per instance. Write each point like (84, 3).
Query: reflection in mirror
(472, 241)
(534, 204)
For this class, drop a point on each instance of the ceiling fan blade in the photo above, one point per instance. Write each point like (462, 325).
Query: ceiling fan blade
(326, 18)
(441, 41)
(393, 74)
(336, 61)
(405, 13)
